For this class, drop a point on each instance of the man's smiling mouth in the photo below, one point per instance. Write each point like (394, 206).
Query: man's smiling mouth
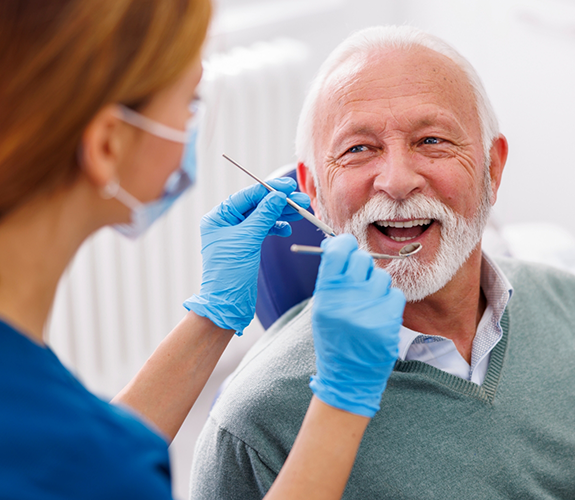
(403, 230)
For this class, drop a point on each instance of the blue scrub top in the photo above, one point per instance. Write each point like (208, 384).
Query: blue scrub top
(59, 441)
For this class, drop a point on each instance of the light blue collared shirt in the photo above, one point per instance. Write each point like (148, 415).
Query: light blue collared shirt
(441, 352)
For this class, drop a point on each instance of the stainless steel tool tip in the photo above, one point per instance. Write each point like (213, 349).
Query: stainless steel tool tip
(410, 249)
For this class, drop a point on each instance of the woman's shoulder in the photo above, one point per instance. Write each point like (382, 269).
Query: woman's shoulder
(58, 437)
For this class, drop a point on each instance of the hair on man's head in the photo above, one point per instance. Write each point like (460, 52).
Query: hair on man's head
(367, 42)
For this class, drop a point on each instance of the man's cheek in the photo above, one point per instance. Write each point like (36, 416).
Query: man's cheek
(346, 201)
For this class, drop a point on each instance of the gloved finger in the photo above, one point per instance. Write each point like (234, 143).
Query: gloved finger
(280, 228)
(290, 217)
(284, 184)
(359, 266)
(224, 214)
(380, 281)
(266, 214)
(288, 186)
(302, 199)
(336, 252)
(227, 214)
(290, 213)
(246, 200)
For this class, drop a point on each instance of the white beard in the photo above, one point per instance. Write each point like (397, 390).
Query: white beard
(459, 237)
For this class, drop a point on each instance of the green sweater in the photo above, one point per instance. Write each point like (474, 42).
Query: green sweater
(436, 436)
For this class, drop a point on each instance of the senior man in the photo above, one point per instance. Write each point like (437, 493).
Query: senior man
(397, 143)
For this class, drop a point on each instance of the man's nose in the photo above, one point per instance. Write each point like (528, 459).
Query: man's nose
(397, 174)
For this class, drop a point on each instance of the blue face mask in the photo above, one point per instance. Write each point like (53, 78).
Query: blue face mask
(143, 215)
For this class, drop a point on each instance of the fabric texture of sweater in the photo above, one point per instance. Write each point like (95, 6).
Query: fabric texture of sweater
(436, 436)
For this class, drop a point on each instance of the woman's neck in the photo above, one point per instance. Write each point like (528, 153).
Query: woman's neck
(37, 242)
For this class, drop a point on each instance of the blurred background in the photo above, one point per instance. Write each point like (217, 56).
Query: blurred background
(120, 298)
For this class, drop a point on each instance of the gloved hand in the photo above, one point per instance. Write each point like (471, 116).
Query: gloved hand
(356, 318)
(232, 235)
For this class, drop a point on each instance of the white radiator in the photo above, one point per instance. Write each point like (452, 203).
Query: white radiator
(120, 298)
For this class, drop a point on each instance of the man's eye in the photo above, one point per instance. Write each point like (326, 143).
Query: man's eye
(431, 140)
(357, 149)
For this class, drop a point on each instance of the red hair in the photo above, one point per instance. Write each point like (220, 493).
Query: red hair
(63, 60)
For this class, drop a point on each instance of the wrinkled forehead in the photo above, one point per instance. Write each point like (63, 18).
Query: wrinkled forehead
(400, 79)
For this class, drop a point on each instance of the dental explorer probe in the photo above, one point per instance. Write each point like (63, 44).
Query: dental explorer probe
(300, 210)
(406, 251)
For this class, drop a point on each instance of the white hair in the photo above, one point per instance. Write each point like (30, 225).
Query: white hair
(368, 41)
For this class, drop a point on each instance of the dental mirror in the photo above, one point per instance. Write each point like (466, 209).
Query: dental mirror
(406, 251)
(410, 249)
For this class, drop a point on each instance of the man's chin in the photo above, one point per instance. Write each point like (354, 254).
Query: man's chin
(415, 279)
(411, 275)
(419, 279)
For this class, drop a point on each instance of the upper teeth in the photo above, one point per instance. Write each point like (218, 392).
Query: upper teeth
(408, 223)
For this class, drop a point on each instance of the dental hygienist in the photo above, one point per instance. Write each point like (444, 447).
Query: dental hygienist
(96, 129)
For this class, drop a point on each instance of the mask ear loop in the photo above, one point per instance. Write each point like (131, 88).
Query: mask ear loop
(110, 190)
(114, 190)
(151, 126)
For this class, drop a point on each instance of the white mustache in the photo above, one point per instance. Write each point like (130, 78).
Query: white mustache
(381, 207)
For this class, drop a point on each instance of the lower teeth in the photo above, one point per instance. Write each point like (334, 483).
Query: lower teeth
(396, 238)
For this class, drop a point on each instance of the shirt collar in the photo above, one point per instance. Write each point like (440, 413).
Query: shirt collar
(406, 338)
(496, 288)
(495, 285)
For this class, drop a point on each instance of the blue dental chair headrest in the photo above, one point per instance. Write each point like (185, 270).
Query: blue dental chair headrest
(286, 278)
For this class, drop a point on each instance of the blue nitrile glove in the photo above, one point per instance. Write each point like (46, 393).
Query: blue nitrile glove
(232, 236)
(356, 318)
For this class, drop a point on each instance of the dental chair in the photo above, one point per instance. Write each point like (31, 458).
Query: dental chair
(286, 278)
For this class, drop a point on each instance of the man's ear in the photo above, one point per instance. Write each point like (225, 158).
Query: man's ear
(306, 183)
(498, 153)
(102, 146)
